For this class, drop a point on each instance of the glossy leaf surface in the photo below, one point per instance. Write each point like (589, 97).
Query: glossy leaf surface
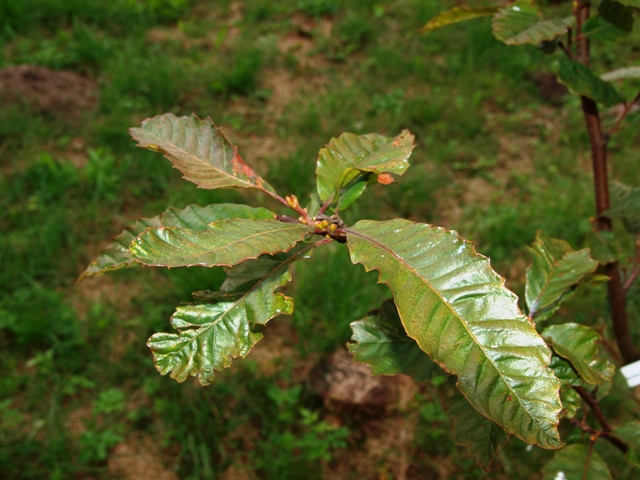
(630, 434)
(379, 340)
(564, 371)
(476, 432)
(456, 15)
(575, 462)
(199, 150)
(213, 332)
(555, 271)
(629, 72)
(195, 217)
(579, 344)
(582, 81)
(349, 156)
(225, 242)
(458, 310)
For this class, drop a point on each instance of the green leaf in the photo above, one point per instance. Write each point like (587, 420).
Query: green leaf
(117, 255)
(352, 194)
(571, 401)
(555, 272)
(210, 334)
(457, 14)
(576, 462)
(629, 72)
(350, 156)
(459, 311)
(603, 246)
(521, 23)
(582, 81)
(379, 340)
(617, 14)
(564, 371)
(630, 434)
(579, 345)
(477, 433)
(225, 242)
(612, 21)
(626, 205)
(199, 150)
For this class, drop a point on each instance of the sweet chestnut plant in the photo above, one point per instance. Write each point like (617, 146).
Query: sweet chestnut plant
(585, 377)
(450, 311)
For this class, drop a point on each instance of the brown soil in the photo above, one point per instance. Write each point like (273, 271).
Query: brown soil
(139, 457)
(63, 94)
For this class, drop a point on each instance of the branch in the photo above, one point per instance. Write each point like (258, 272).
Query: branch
(566, 50)
(623, 115)
(597, 411)
(598, 141)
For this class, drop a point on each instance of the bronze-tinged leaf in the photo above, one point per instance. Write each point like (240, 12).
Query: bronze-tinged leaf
(576, 462)
(456, 15)
(555, 272)
(350, 156)
(195, 217)
(477, 433)
(459, 311)
(199, 150)
(224, 243)
(211, 334)
(579, 344)
(379, 340)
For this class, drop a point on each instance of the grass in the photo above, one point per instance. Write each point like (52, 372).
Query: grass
(77, 378)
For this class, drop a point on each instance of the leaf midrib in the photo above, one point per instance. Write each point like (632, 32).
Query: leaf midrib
(401, 260)
(228, 245)
(197, 159)
(204, 329)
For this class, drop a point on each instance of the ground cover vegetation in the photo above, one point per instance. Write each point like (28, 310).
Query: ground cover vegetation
(79, 393)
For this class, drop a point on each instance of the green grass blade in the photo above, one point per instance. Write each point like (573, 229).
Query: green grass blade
(459, 311)
(224, 243)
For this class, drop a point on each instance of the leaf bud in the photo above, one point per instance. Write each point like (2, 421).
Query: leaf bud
(292, 201)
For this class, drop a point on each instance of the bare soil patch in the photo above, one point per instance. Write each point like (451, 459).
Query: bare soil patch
(60, 93)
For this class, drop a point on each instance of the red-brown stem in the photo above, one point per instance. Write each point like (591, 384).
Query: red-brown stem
(623, 115)
(597, 411)
(617, 293)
